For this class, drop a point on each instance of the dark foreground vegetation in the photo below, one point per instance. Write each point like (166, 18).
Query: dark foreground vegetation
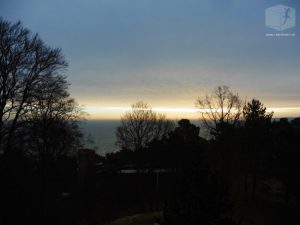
(246, 170)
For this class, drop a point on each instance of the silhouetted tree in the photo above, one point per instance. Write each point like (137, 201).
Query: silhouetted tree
(257, 127)
(140, 126)
(256, 115)
(286, 156)
(220, 108)
(196, 197)
(51, 125)
(221, 111)
(38, 125)
(185, 145)
(25, 63)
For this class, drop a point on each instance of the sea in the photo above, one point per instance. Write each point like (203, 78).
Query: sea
(100, 134)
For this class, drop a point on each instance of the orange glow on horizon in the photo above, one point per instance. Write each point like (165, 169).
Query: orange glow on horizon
(114, 113)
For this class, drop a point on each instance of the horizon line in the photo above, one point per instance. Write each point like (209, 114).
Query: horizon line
(175, 113)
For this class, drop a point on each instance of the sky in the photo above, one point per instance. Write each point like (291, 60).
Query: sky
(167, 52)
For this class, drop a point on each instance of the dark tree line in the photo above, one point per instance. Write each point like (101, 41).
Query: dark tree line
(39, 133)
(248, 156)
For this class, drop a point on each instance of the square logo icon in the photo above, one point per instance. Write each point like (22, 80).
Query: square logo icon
(280, 17)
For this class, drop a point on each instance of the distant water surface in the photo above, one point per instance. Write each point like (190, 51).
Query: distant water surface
(103, 134)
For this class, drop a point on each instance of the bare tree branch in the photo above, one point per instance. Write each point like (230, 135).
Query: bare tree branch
(140, 126)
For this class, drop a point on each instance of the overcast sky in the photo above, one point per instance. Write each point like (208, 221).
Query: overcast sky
(166, 52)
